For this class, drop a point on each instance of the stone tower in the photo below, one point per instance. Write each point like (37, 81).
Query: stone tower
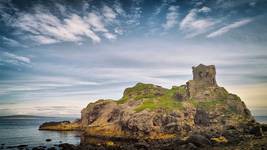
(205, 74)
(204, 85)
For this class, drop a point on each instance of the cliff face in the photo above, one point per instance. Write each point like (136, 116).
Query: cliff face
(154, 112)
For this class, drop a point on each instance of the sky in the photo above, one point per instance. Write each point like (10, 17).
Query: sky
(56, 56)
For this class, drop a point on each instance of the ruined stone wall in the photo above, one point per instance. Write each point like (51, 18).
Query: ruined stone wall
(205, 74)
(204, 85)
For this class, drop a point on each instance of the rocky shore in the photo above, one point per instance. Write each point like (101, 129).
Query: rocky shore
(231, 140)
(198, 114)
(61, 126)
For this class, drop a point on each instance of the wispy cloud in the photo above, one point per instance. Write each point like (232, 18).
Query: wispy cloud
(171, 17)
(164, 4)
(11, 42)
(229, 27)
(133, 17)
(192, 25)
(14, 59)
(44, 27)
(204, 9)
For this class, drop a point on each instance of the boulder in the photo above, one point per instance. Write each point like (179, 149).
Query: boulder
(66, 146)
(264, 127)
(48, 140)
(198, 140)
(256, 130)
(202, 117)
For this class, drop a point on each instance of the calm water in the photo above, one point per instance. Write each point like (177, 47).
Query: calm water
(261, 119)
(17, 131)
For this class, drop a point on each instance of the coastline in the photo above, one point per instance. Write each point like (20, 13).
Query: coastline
(247, 142)
(120, 143)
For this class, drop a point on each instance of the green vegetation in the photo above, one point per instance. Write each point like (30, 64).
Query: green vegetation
(151, 104)
(155, 97)
(167, 101)
(142, 91)
(207, 104)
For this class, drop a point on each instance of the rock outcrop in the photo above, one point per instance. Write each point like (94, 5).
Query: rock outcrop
(147, 111)
(154, 112)
(61, 126)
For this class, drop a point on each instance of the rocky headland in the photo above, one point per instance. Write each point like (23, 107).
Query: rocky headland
(198, 114)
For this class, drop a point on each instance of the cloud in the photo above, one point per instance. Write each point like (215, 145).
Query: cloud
(110, 36)
(108, 13)
(252, 4)
(229, 27)
(204, 9)
(164, 3)
(14, 59)
(133, 18)
(11, 42)
(118, 8)
(47, 27)
(43, 39)
(171, 17)
(192, 25)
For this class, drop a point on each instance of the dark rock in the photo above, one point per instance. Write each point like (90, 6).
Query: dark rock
(48, 140)
(202, 117)
(11, 147)
(233, 136)
(39, 148)
(256, 130)
(46, 124)
(51, 148)
(141, 145)
(198, 140)
(264, 127)
(114, 115)
(22, 146)
(67, 146)
(191, 146)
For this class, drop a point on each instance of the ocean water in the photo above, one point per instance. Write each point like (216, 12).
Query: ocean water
(19, 131)
(261, 119)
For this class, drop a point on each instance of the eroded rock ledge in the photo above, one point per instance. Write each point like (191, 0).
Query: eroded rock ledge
(61, 126)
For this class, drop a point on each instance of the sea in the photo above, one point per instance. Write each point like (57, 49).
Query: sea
(261, 119)
(16, 131)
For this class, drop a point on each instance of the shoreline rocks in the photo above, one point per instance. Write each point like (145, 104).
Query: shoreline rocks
(61, 126)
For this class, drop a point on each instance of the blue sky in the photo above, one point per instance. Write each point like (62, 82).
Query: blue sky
(57, 56)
